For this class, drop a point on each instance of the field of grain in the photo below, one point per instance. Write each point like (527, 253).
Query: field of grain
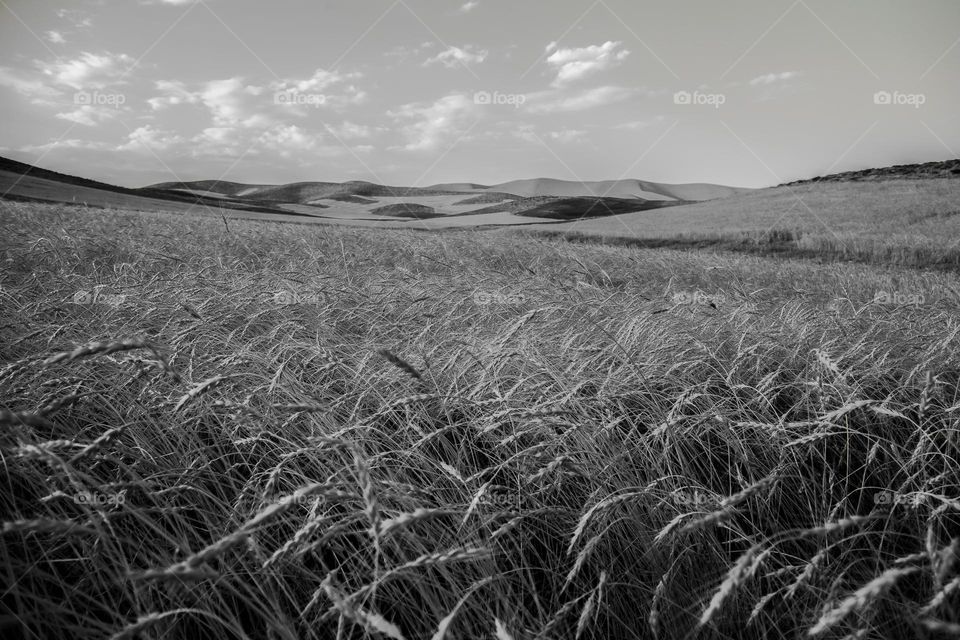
(256, 430)
(899, 221)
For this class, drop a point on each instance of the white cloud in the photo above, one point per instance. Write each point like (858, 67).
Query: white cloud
(555, 101)
(773, 78)
(405, 51)
(75, 17)
(88, 115)
(37, 91)
(70, 143)
(469, 6)
(89, 70)
(428, 126)
(149, 139)
(285, 140)
(55, 37)
(351, 131)
(456, 56)
(566, 135)
(218, 141)
(232, 102)
(235, 104)
(528, 133)
(318, 90)
(576, 64)
(175, 93)
(637, 125)
(252, 119)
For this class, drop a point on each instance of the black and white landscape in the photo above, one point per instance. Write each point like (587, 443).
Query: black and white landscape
(479, 319)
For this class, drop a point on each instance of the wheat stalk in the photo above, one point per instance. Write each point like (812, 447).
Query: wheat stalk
(603, 504)
(444, 625)
(406, 519)
(941, 596)
(200, 389)
(370, 621)
(501, 630)
(587, 613)
(860, 599)
(581, 558)
(45, 525)
(761, 603)
(401, 364)
(558, 616)
(735, 577)
(458, 554)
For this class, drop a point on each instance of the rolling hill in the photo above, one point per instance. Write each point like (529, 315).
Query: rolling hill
(305, 192)
(693, 192)
(519, 201)
(922, 171)
(24, 182)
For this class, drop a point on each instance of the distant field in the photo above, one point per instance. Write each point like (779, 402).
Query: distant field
(914, 222)
(240, 429)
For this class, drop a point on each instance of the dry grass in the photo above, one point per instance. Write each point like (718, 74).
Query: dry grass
(389, 458)
(903, 222)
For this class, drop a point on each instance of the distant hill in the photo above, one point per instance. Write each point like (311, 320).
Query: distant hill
(406, 210)
(459, 186)
(304, 192)
(574, 208)
(359, 200)
(693, 192)
(579, 207)
(488, 198)
(26, 182)
(923, 171)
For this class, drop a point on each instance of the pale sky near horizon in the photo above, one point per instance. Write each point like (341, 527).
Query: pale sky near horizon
(416, 92)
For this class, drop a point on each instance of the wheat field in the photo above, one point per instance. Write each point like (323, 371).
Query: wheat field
(232, 429)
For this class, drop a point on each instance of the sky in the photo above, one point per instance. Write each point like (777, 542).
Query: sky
(416, 92)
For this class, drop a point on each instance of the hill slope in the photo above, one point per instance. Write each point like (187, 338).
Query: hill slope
(923, 171)
(25, 182)
(617, 189)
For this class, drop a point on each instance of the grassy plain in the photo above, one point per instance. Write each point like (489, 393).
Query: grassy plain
(899, 221)
(301, 431)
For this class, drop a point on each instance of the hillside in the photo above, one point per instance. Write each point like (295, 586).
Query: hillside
(922, 171)
(304, 192)
(458, 186)
(406, 210)
(904, 221)
(582, 207)
(25, 182)
(617, 189)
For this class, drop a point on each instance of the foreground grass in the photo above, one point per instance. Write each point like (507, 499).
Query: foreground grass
(278, 431)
